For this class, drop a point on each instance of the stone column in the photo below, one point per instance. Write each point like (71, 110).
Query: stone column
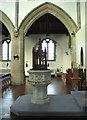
(78, 14)
(86, 39)
(73, 51)
(17, 58)
(17, 52)
(0, 48)
(16, 14)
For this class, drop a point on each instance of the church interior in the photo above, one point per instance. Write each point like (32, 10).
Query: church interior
(43, 59)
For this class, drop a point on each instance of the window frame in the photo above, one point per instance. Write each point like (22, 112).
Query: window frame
(8, 60)
(54, 47)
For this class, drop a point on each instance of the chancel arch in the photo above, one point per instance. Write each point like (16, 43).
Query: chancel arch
(54, 10)
(35, 14)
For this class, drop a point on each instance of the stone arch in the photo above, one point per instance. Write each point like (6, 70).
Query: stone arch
(56, 11)
(7, 22)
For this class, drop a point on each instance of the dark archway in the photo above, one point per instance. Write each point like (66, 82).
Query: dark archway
(81, 57)
(54, 10)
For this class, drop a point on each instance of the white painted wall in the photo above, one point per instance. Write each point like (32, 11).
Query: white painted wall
(80, 36)
(26, 6)
(80, 42)
(62, 60)
(9, 9)
(4, 65)
(69, 7)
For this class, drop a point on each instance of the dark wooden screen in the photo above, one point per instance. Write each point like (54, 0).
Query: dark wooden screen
(39, 58)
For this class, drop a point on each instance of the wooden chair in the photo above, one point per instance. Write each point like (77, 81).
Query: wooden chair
(68, 76)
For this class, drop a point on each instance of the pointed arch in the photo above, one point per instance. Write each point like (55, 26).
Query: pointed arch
(6, 21)
(44, 8)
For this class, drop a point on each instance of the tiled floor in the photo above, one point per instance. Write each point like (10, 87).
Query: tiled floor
(57, 86)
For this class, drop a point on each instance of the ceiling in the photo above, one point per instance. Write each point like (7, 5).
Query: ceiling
(46, 24)
(3, 30)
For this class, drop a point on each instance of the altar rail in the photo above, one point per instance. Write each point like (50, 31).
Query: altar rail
(5, 81)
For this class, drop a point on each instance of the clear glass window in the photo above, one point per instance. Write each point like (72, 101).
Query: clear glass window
(6, 50)
(49, 45)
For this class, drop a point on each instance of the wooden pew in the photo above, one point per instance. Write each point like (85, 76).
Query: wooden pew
(5, 81)
(77, 76)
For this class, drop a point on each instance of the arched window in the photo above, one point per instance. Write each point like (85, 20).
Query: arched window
(50, 46)
(6, 50)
